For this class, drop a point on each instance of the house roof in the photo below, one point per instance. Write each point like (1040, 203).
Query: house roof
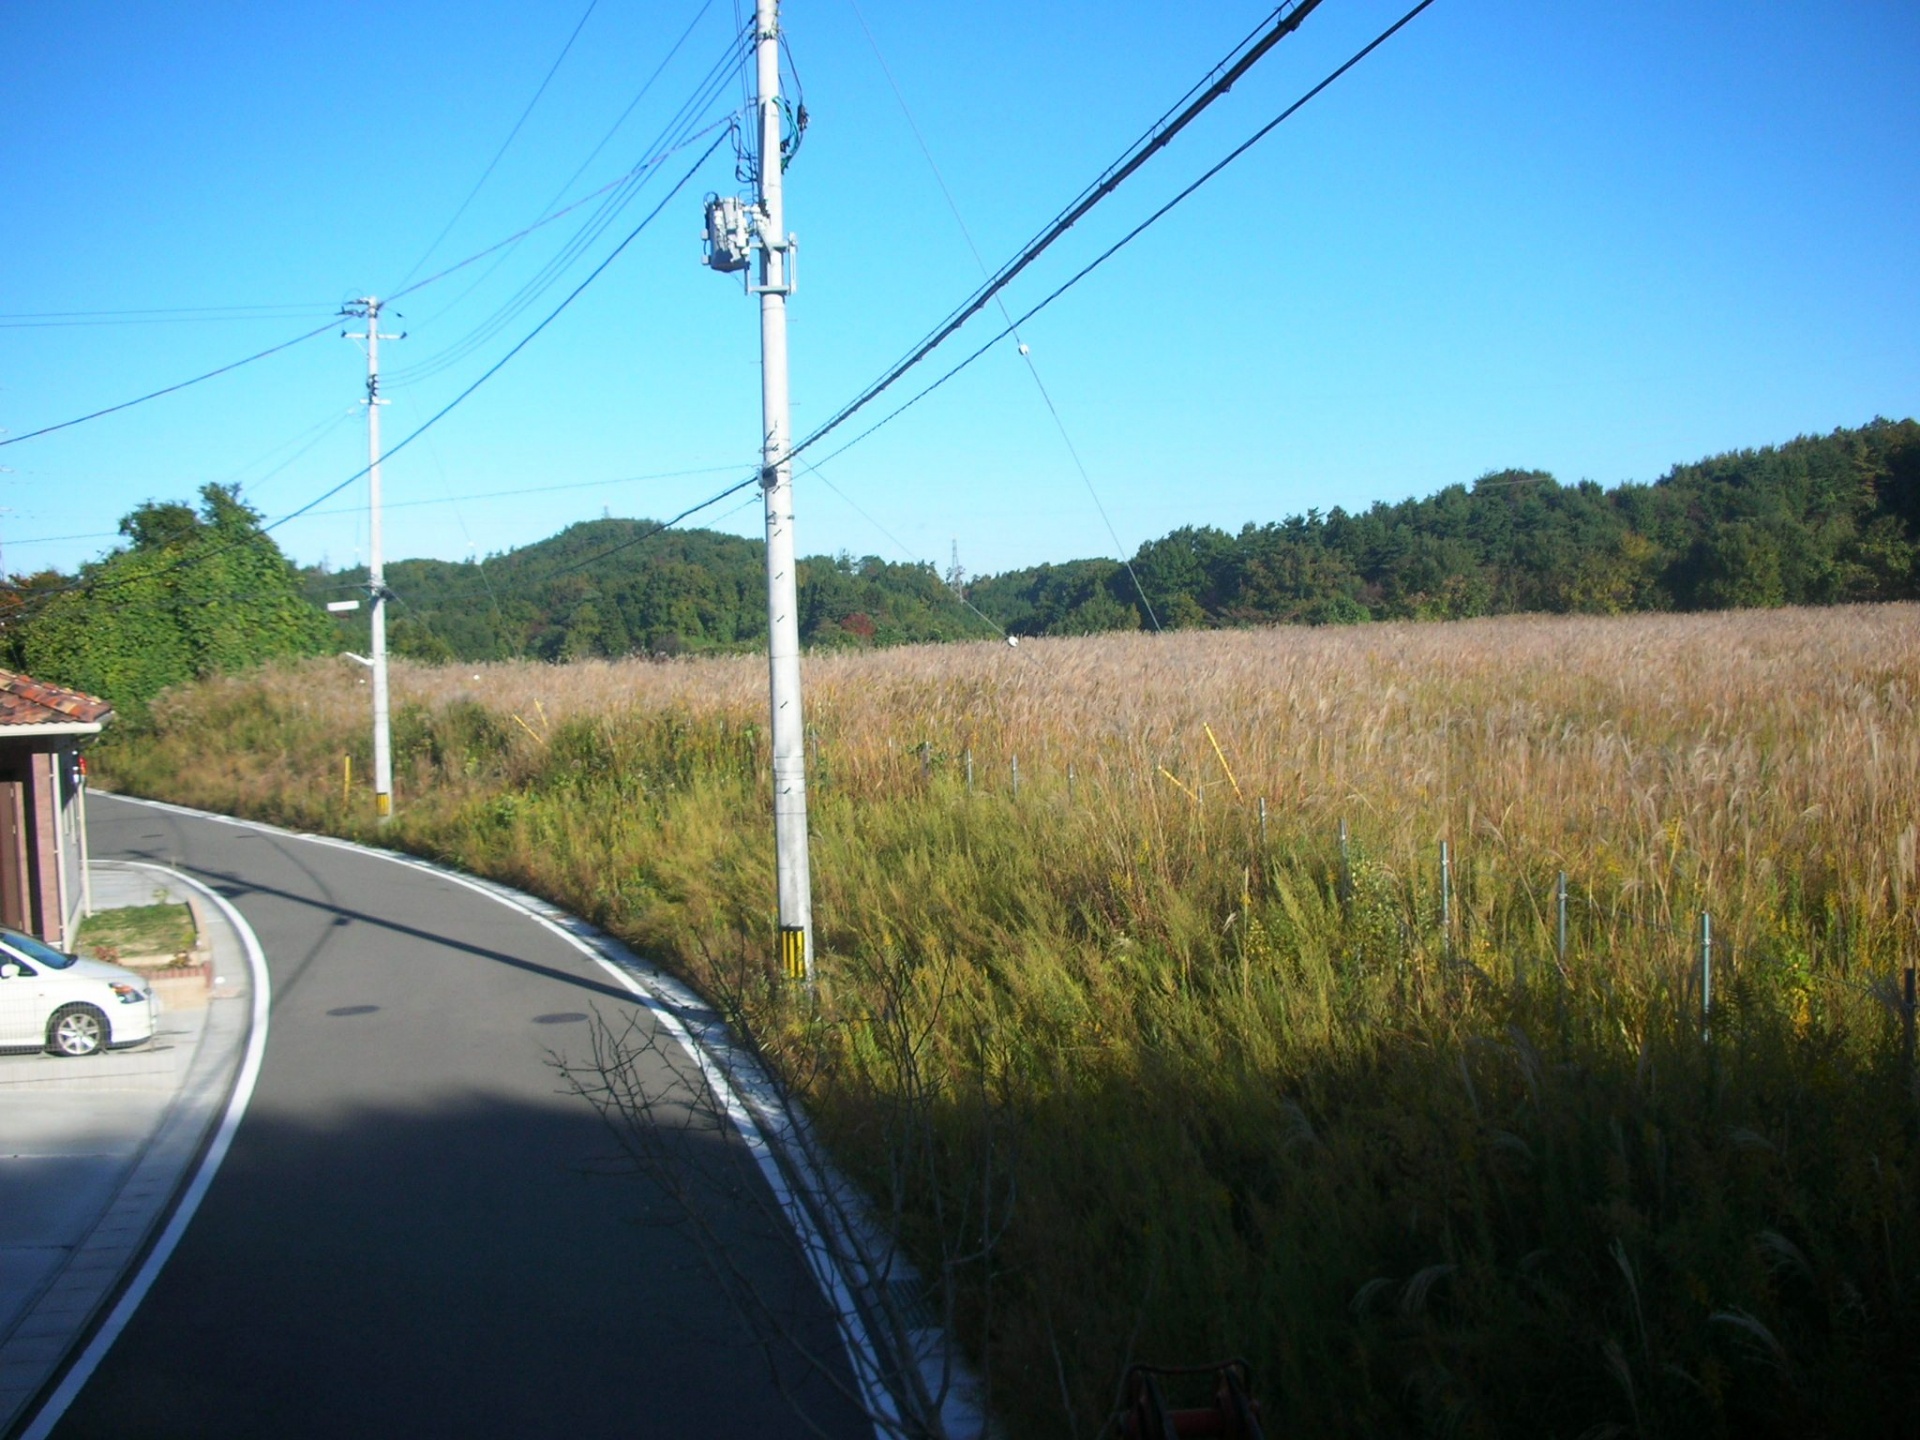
(30, 706)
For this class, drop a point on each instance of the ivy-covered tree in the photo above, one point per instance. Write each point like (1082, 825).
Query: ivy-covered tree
(191, 593)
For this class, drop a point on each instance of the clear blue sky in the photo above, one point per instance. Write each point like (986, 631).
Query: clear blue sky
(1593, 239)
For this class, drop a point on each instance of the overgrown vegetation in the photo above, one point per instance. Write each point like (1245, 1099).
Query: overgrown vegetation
(188, 595)
(138, 931)
(1250, 1095)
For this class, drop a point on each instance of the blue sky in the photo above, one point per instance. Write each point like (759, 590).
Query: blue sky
(1596, 240)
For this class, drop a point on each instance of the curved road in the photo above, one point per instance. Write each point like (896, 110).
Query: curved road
(416, 1231)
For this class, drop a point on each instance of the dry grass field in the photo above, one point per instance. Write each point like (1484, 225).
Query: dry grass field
(1190, 1077)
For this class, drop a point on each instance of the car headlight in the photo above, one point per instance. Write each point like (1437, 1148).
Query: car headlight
(128, 994)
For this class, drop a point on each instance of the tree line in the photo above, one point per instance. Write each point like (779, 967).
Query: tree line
(1820, 520)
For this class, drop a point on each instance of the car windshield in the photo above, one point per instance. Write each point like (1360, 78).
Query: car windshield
(36, 950)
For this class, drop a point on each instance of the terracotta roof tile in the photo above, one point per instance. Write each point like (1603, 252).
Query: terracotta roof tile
(34, 702)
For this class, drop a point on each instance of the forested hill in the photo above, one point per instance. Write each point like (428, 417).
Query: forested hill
(612, 587)
(1816, 521)
(1819, 520)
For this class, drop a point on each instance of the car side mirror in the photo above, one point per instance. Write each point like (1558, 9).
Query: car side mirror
(9, 971)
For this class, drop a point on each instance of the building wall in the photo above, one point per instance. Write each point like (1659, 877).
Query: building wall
(16, 841)
(40, 871)
(43, 863)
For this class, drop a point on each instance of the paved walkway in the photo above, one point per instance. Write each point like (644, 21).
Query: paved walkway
(93, 1151)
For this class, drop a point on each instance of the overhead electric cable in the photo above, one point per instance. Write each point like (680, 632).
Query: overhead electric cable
(82, 319)
(1109, 252)
(552, 70)
(1000, 301)
(899, 544)
(1220, 79)
(548, 214)
(658, 527)
(525, 340)
(645, 88)
(295, 308)
(676, 135)
(437, 416)
(170, 389)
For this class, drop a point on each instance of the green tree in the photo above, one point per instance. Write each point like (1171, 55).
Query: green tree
(191, 593)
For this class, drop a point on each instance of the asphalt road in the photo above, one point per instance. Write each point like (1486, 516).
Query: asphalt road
(418, 1231)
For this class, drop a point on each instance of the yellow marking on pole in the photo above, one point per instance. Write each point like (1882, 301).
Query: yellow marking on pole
(1176, 780)
(793, 951)
(383, 805)
(1223, 762)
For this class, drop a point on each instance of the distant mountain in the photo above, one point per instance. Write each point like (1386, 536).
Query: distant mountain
(1820, 520)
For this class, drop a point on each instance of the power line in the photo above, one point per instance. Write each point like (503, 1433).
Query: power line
(418, 504)
(170, 389)
(1219, 80)
(552, 70)
(296, 308)
(1000, 301)
(899, 544)
(220, 315)
(550, 273)
(1111, 250)
(676, 135)
(527, 339)
(98, 585)
(561, 190)
(658, 527)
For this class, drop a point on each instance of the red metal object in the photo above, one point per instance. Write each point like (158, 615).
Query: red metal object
(1234, 1414)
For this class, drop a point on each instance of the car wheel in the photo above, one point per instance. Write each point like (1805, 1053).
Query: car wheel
(76, 1030)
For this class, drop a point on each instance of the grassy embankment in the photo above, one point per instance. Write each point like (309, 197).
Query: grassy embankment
(1252, 1100)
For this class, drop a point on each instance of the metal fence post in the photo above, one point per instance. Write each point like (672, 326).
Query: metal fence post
(1706, 976)
(969, 755)
(1906, 1023)
(1446, 900)
(1016, 777)
(1561, 949)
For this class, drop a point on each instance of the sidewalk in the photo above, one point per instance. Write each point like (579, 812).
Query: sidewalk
(93, 1151)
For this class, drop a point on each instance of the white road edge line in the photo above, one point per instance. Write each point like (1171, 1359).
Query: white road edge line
(822, 1261)
(82, 1369)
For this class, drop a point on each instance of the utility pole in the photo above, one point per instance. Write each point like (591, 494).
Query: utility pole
(369, 307)
(734, 232)
(776, 483)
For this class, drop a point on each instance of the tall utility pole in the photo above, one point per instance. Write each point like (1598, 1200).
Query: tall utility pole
(735, 231)
(776, 483)
(369, 307)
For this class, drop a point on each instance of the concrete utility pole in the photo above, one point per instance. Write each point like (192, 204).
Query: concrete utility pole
(743, 239)
(776, 482)
(369, 307)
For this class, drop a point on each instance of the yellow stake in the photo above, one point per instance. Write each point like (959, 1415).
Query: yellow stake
(1223, 762)
(346, 779)
(1176, 780)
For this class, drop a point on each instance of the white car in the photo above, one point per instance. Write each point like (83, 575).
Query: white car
(67, 1003)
